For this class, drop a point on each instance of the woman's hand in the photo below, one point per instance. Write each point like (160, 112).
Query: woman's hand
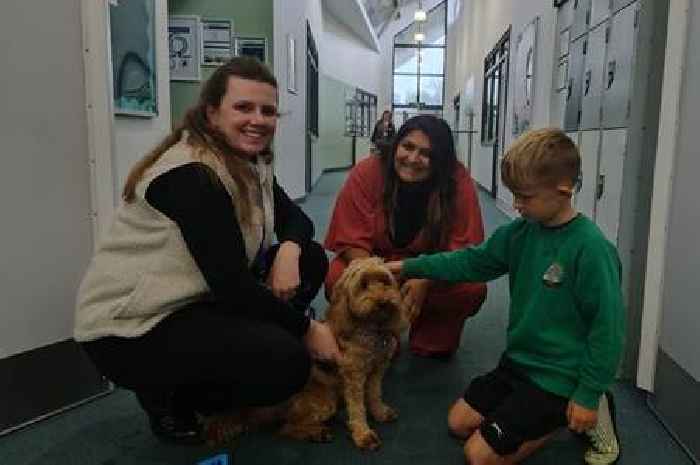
(321, 343)
(580, 418)
(414, 292)
(395, 267)
(284, 277)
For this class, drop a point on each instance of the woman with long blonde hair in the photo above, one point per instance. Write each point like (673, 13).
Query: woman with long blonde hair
(187, 302)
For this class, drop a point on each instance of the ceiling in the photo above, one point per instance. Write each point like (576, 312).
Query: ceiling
(352, 13)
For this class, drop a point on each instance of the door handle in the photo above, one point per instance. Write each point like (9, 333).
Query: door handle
(600, 187)
(611, 73)
(588, 82)
(569, 88)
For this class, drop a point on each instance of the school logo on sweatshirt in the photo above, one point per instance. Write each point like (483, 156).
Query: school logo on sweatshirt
(554, 275)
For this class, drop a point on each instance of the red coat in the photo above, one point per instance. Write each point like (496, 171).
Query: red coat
(358, 221)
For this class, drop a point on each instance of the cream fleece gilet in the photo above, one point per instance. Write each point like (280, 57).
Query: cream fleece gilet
(142, 271)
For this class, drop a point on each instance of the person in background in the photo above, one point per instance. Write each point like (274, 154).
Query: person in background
(383, 133)
(417, 199)
(566, 321)
(186, 301)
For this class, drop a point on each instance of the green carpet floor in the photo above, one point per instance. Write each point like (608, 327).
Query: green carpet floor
(113, 430)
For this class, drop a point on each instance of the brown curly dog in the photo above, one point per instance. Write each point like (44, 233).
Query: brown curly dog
(366, 318)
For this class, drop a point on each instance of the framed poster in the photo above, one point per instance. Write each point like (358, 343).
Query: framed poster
(185, 46)
(252, 47)
(132, 31)
(524, 75)
(216, 41)
(291, 64)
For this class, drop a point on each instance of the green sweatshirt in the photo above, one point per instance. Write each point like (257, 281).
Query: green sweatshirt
(566, 321)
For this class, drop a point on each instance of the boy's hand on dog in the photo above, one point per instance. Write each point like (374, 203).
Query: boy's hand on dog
(580, 418)
(321, 343)
(394, 267)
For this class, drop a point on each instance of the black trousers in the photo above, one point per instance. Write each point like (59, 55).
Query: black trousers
(209, 359)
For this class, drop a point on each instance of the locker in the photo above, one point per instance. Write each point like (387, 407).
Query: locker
(572, 117)
(617, 75)
(582, 18)
(563, 75)
(558, 118)
(617, 5)
(600, 11)
(609, 183)
(565, 16)
(592, 83)
(585, 198)
(564, 43)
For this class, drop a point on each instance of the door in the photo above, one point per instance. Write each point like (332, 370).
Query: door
(585, 198)
(592, 82)
(609, 182)
(311, 104)
(577, 55)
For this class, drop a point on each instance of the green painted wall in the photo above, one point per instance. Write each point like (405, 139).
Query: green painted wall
(250, 18)
(335, 149)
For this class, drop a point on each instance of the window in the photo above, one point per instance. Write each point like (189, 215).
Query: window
(495, 88)
(419, 68)
(360, 114)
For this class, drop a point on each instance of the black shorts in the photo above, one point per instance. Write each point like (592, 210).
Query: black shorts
(515, 410)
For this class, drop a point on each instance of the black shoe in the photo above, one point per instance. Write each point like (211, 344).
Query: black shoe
(173, 429)
(168, 423)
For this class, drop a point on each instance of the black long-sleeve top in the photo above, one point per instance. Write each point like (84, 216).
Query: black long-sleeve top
(195, 199)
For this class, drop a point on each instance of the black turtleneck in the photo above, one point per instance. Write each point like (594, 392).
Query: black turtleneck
(411, 211)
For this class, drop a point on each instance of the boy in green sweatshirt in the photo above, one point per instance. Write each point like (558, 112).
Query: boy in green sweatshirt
(566, 319)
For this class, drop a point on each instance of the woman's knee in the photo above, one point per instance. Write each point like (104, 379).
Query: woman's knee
(294, 369)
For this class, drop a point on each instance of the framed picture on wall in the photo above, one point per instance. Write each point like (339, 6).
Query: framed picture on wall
(132, 32)
(216, 41)
(252, 47)
(185, 46)
(291, 64)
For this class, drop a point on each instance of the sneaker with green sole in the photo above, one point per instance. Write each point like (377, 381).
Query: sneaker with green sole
(605, 448)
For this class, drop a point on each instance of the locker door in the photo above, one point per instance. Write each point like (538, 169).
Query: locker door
(617, 5)
(582, 18)
(572, 118)
(564, 43)
(585, 198)
(592, 83)
(600, 11)
(565, 16)
(617, 76)
(609, 188)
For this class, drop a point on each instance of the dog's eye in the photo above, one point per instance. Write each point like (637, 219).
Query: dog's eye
(364, 283)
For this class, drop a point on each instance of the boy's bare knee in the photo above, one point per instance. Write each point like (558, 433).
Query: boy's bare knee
(462, 419)
(478, 452)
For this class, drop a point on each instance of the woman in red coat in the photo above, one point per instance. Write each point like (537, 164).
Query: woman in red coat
(418, 199)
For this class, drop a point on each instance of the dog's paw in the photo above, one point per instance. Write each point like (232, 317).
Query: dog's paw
(313, 433)
(385, 414)
(323, 434)
(367, 440)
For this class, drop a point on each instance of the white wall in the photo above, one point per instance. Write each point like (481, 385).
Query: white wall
(340, 51)
(45, 189)
(134, 137)
(289, 19)
(347, 58)
(477, 26)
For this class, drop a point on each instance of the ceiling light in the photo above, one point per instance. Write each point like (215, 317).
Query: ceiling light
(420, 15)
(419, 37)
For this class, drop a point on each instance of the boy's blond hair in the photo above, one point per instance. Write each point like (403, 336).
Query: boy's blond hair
(541, 157)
